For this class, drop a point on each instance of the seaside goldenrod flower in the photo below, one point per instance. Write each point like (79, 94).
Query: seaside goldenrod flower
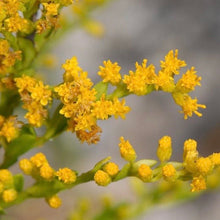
(51, 9)
(215, 158)
(102, 108)
(190, 161)
(188, 81)
(9, 195)
(138, 81)
(66, 175)
(47, 172)
(169, 172)
(6, 177)
(9, 128)
(7, 57)
(102, 178)
(35, 96)
(198, 184)
(54, 201)
(111, 168)
(172, 64)
(204, 165)
(38, 160)
(126, 150)
(164, 81)
(188, 105)
(164, 150)
(145, 172)
(189, 145)
(26, 166)
(119, 108)
(110, 72)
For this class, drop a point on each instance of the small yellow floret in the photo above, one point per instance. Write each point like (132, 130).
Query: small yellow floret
(215, 158)
(138, 81)
(190, 161)
(26, 166)
(126, 150)
(164, 150)
(145, 172)
(51, 8)
(110, 72)
(38, 159)
(102, 178)
(189, 145)
(111, 168)
(9, 195)
(168, 171)
(6, 177)
(204, 165)
(188, 81)
(188, 105)
(46, 171)
(198, 184)
(54, 201)
(172, 64)
(66, 175)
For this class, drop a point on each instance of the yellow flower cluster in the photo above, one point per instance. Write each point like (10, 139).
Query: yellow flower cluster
(126, 150)
(35, 96)
(7, 189)
(104, 176)
(7, 57)
(110, 72)
(143, 78)
(198, 167)
(10, 16)
(80, 105)
(39, 168)
(9, 127)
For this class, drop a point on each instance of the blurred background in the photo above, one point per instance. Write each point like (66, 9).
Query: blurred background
(135, 30)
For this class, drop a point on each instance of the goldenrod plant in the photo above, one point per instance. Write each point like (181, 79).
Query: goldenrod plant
(27, 28)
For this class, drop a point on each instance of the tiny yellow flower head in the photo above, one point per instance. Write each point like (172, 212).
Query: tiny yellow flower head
(6, 177)
(111, 168)
(51, 8)
(164, 150)
(110, 72)
(46, 172)
(72, 69)
(190, 161)
(138, 81)
(9, 129)
(119, 108)
(145, 172)
(198, 184)
(26, 166)
(102, 178)
(215, 158)
(54, 201)
(102, 108)
(9, 195)
(188, 81)
(126, 150)
(66, 175)
(172, 64)
(38, 159)
(169, 172)
(189, 145)
(164, 81)
(204, 165)
(188, 105)
(91, 137)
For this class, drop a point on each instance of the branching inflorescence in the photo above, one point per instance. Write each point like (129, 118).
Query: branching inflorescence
(25, 29)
